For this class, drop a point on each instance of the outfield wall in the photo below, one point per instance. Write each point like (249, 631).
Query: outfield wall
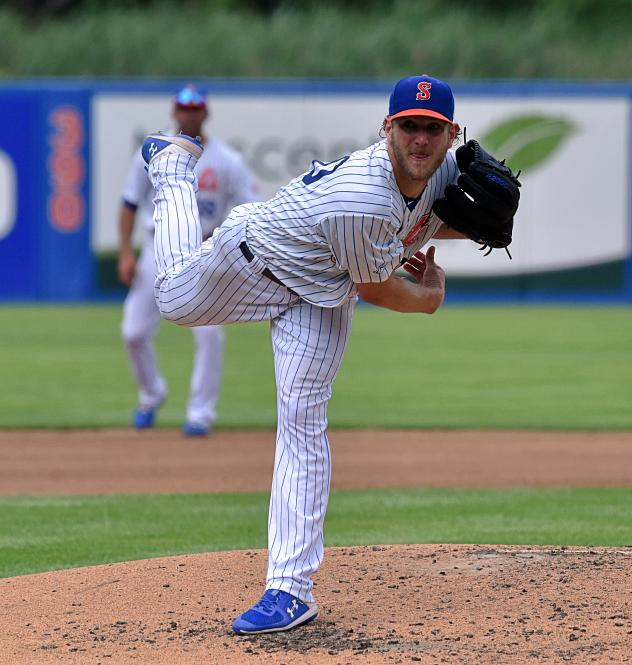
(65, 147)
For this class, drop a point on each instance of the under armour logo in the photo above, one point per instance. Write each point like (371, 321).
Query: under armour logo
(292, 608)
(380, 268)
(153, 148)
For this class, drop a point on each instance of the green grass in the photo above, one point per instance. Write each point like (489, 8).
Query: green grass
(465, 367)
(38, 534)
(458, 40)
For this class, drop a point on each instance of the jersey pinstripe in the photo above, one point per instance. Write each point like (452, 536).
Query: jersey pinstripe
(343, 223)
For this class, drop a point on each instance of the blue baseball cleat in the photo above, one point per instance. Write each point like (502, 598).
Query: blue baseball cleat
(161, 144)
(276, 611)
(194, 429)
(144, 418)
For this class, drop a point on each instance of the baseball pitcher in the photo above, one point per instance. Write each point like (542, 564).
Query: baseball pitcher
(300, 261)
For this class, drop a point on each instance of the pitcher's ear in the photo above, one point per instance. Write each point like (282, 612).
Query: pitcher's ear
(455, 131)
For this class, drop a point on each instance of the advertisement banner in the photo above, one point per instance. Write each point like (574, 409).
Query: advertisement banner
(21, 191)
(65, 150)
(45, 251)
(574, 153)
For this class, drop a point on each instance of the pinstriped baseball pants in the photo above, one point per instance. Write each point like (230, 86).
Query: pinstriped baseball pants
(213, 283)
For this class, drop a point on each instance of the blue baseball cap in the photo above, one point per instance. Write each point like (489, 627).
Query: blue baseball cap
(421, 95)
(190, 97)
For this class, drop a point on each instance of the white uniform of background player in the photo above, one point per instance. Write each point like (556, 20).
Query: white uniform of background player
(223, 182)
(300, 260)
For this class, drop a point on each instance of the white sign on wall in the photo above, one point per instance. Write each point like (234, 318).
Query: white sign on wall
(575, 201)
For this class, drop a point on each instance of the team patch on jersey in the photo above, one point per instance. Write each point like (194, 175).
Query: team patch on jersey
(413, 235)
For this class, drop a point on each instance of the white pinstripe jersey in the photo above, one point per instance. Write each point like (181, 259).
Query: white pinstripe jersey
(224, 181)
(343, 223)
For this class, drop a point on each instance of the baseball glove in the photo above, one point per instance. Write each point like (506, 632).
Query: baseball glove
(484, 201)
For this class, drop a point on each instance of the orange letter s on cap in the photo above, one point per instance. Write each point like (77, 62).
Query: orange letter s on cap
(424, 90)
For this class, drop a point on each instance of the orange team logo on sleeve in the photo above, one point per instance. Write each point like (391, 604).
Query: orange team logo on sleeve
(413, 235)
(424, 90)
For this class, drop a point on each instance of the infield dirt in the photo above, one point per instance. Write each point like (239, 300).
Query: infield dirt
(396, 604)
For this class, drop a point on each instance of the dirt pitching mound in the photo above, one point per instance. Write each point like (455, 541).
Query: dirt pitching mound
(401, 604)
(397, 604)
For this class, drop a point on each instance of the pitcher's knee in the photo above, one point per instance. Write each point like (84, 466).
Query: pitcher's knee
(166, 311)
(177, 315)
(185, 314)
(172, 305)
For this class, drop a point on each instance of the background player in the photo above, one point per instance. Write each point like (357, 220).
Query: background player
(300, 260)
(224, 181)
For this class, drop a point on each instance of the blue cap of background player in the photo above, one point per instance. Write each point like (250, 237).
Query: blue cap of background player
(190, 97)
(421, 95)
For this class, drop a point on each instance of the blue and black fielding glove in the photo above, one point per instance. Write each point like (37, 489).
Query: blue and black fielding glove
(484, 201)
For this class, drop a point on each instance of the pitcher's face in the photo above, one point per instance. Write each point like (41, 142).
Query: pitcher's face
(416, 146)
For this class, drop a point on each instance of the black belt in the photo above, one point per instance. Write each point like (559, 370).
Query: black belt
(249, 256)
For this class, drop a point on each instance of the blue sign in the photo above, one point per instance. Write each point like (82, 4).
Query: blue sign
(44, 195)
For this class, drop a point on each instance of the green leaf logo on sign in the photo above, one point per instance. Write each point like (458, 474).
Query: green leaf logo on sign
(527, 141)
